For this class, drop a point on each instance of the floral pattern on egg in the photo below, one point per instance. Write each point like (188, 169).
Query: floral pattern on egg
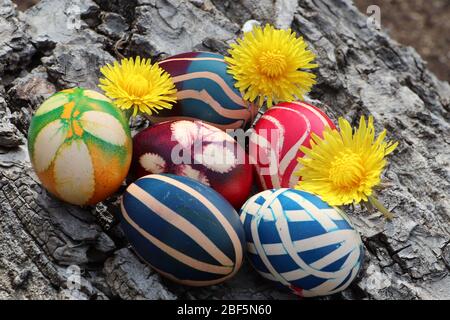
(197, 150)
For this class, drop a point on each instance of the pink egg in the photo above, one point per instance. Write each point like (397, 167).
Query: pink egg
(197, 150)
(276, 140)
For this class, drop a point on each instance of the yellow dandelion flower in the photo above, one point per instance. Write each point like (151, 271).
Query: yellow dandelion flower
(138, 84)
(269, 64)
(345, 166)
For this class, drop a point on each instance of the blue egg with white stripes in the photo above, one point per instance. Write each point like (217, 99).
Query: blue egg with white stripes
(183, 229)
(296, 239)
(205, 91)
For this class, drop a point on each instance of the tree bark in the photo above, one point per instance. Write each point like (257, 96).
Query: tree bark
(46, 246)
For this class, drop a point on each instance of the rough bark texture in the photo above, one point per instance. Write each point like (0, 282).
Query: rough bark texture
(59, 44)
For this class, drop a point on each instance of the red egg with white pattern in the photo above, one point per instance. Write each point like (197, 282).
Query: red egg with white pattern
(197, 150)
(276, 140)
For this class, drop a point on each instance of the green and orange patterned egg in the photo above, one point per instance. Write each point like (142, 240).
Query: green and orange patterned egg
(80, 146)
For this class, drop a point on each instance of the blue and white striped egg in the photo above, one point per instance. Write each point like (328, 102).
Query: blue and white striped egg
(183, 229)
(296, 239)
(205, 91)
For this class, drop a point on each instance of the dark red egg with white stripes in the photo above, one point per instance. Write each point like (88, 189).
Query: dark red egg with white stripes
(197, 150)
(276, 140)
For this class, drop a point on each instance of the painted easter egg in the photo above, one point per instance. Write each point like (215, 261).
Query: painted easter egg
(184, 229)
(196, 150)
(299, 241)
(205, 92)
(277, 137)
(80, 146)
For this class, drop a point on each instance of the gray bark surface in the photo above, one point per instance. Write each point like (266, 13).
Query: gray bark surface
(59, 44)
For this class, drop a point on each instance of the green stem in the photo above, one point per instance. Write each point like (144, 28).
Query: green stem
(128, 113)
(377, 204)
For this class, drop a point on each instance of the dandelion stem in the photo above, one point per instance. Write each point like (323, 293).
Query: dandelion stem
(377, 204)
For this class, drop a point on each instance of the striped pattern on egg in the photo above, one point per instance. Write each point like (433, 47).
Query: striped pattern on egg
(205, 92)
(297, 240)
(276, 140)
(185, 230)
